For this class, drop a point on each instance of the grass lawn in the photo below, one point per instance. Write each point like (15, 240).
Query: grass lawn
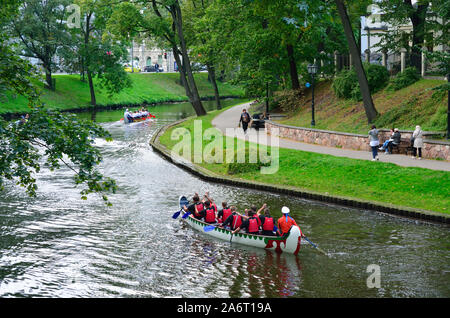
(360, 179)
(417, 104)
(72, 93)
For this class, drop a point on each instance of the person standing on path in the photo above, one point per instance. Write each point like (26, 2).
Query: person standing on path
(245, 120)
(374, 142)
(418, 142)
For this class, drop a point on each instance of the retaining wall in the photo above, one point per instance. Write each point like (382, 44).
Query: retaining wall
(432, 149)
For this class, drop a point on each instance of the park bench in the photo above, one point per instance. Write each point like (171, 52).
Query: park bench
(403, 147)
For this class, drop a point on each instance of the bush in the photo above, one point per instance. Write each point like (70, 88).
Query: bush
(288, 100)
(407, 77)
(344, 82)
(346, 85)
(377, 76)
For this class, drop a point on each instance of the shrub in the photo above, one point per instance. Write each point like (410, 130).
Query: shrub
(346, 85)
(377, 76)
(288, 100)
(407, 77)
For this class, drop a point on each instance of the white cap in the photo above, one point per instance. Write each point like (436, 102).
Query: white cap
(285, 210)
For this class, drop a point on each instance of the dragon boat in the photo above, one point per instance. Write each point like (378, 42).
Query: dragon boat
(289, 243)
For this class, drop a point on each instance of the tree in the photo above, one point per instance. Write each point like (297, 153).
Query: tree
(203, 46)
(162, 20)
(369, 107)
(420, 15)
(39, 26)
(47, 138)
(97, 54)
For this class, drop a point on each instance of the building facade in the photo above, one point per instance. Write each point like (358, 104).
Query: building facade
(143, 56)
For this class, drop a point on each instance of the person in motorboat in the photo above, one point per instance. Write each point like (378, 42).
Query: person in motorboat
(251, 225)
(128, 116)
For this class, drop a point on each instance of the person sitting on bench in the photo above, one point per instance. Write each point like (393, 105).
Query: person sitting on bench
(396, 139)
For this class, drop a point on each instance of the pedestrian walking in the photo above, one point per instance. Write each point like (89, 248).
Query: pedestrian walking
(245, 120)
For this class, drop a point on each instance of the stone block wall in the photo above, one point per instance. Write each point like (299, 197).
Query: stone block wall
(432, 149)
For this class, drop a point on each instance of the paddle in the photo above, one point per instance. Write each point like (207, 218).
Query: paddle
(183, 202)
(186, 215)
(208, 228)
(176, 214)
(315, 246)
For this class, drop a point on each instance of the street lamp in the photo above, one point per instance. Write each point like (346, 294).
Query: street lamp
(312, 69)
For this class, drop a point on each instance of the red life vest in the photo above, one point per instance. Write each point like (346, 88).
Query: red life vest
(253, 226)
(226, 214)
(210, 216)
(199, 207)
(215, 207)
(268, 224)
(237, 221)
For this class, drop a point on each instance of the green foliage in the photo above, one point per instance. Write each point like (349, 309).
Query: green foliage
(346, 85)
(288, 100)
(407, 77)
(48, 138)
(52, 139)
(344, 82)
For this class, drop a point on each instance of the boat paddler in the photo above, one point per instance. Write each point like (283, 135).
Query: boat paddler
(286, 222)
(251, 225)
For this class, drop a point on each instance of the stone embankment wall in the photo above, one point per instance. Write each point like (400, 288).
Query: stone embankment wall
(432, 149)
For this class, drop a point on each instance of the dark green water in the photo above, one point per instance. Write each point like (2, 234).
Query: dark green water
(57, 245)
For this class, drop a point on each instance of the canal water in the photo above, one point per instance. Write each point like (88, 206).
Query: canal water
(56, 245)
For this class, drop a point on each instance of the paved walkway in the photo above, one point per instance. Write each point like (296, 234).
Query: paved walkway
(230, 119)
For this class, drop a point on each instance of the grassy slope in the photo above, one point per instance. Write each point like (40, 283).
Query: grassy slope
(147, 87)
(404, 109)
(380, 182)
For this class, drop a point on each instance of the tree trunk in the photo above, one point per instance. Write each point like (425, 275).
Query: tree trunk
(418, 34)
(292, 67)
(91, 89)
(88, 62)
(48, 78)
(212, 77)
(196, 101)
(369, 107)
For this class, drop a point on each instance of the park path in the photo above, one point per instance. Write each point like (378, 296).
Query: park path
(230, 119)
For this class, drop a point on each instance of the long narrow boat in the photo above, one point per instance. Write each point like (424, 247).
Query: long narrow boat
(287, 244)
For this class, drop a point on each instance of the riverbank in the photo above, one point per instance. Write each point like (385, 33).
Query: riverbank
(385, 187)
(148, 88)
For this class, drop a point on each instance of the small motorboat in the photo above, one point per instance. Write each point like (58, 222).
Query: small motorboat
(130, 118)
